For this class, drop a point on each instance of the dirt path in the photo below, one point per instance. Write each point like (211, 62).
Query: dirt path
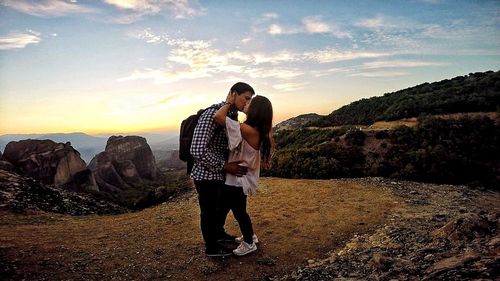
(296, 220)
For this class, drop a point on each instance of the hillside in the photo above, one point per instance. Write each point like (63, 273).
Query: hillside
(296, 122)
(476, 92)
(441, 132)
(455, 151)
(309, 230)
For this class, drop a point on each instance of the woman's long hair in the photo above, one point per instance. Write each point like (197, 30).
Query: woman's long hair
(260, 116)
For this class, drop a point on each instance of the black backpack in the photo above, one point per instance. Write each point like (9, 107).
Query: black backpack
(186, 138)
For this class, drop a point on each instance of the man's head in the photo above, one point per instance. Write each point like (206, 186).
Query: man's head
(244, 93)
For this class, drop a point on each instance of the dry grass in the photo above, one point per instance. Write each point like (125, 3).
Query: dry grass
(295, 220)
(412, 122)
(391, 125)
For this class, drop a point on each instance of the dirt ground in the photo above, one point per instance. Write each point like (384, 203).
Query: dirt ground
(296, 221)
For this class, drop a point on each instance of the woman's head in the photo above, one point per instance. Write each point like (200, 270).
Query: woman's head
(260, 110)
(260, 116)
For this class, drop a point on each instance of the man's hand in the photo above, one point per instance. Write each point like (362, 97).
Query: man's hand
(235, 169)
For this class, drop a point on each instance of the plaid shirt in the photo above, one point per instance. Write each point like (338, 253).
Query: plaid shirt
(209, 147)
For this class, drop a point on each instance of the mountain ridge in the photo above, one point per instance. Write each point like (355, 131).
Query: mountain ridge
(475, 92)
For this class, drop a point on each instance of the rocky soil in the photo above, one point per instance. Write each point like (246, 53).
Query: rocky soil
(444, 233)
(22, 194)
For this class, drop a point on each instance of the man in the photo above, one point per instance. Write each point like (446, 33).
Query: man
(210, 152)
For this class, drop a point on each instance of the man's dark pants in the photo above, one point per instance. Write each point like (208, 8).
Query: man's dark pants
(210, 200)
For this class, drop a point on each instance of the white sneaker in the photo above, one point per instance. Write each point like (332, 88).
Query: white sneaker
(245, 248)
(240, 239)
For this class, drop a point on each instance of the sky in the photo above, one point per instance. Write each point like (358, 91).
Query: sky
(144, 65)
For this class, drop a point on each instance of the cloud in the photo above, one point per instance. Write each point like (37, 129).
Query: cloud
(47, 8)
(162, 75)
(269, 16)
(289, 87)
(36, 33)
(199, 59)
(375, 68)
(372, 23)
(435, 2)
(278, 73)
(404, 35)
(317, 25)
(275, 58)
(398, 64)
(197, 55)
(187, 60)
(266, 17)
(18, 40)
(246, 40)
(275, 29)
(331, 55)
(310, 25)
(390, 33)
(321, 73)
(377, 74)
(148, 36)
(167, 100)
(261, 23)
(127, 4)
(134, 10)
(184, 46)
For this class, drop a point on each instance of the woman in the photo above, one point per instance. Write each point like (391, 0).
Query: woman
(249, 142)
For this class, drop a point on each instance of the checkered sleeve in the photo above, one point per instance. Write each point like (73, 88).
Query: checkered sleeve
(203, 133)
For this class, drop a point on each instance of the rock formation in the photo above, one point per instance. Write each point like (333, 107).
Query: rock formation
(46, 161)
(135, 149)
(126, 162)
(6, 165)
(82, 181)
(106, 176)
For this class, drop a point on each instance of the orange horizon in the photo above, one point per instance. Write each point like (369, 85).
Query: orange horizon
(97, 132)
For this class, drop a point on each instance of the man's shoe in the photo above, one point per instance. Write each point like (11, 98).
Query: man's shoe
(226, 238)
(245, 248)
(240, 239)
(217, 252)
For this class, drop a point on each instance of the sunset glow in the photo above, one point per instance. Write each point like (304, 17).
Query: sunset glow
(130, 66)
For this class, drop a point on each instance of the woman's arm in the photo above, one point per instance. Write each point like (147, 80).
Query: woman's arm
(220, 115)
(249, 133)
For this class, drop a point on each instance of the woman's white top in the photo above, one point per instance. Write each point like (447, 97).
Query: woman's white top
(241, 150)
